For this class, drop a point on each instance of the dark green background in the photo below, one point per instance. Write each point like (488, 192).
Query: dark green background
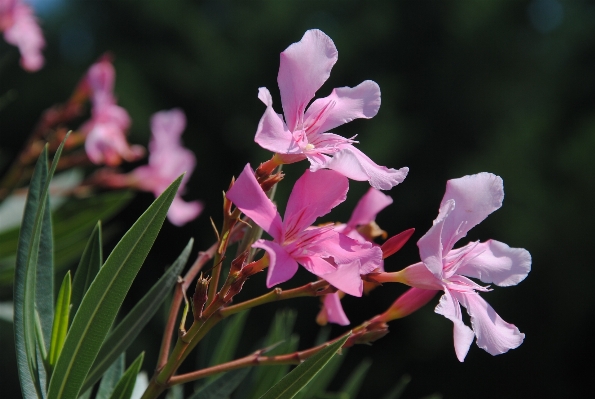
(467, 86)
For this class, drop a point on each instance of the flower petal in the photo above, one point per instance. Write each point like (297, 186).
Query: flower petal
(494, 335)
(495, 262)
(313, 195)
(248, 196)
(345, 277)
(343, 105)
(282, 266)
(334, 310)
(475, 196)
(272, 133)
(430, 245)
(463, 336)
(368, 207)
(167, 127)
(182, 212)
(346, 250)
(355, 165)
(304, 67)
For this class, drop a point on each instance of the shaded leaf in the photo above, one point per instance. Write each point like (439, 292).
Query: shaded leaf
(399, 388)
(126, 332)
(88, 267)
(102, 301)
(299, 377)
(222, 386)
(228, 341)
(354, 382)
(125, 386)
(317, 386)
(111, 377)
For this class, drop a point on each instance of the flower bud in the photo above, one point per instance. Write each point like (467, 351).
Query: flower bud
(412, 300)
(200, 296)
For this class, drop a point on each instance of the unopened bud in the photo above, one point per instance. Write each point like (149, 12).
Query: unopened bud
(238, 263)
(200, 296)
(373, 332)
(412, 300)
(270, 181)
(395, 243)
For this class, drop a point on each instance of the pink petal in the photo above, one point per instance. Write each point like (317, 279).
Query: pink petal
(395, 243)
(248, 196)
(494, 335)
(495, 262)
(343, 105)
(282, 266)
(354, 164)
(272, 133)
(106, 144)
(419, 276)
(304, 67)
(475, 197)
(313, 195)
(101, 77)
(430, 245)
(345, 277)
(411, 301)
(167, 127)
(463, 336)
(182, 212)
(334, 310)
(346, 250)
(368, 207)
(25, 33)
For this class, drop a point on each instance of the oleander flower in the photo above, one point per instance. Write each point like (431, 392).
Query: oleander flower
(304, 132)
(326, 253)
(468, 201)
(21, 29)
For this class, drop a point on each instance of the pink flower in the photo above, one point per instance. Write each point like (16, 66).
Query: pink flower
(323, 251)
(168, 159)
(364, 215)
(467, 202)
(21, 29)
(106, 130)
(304, 67)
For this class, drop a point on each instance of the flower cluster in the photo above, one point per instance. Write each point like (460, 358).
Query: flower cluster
(21, 29)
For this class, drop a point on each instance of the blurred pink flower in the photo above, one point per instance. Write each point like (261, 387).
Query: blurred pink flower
(332, 256)
(21, 29)
(168, 159)
(106, 130)
(304, 67)
(468, 201)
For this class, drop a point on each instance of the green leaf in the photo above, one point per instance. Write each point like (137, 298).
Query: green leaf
(321, 381)
(397, 390)
(129, 328)
(33, 239)
(354, 382)
(279, 337)
(104, 298)
(111, 377)
(88, 267)
(61, 318)
(229, 339)
(299, 377)
(222, 386)
(125, 386)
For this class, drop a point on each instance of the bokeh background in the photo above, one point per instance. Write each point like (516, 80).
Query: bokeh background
(467, 86)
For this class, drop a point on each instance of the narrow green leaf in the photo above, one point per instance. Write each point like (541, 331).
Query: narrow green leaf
(102, 301)
(399, 388)
(126, 332)
(222, 386)
(44, 292)
(279, 335)
(111, 377)
(88, 267)
(60, 327)
(125, 386)
(299, 377)
(321, 381)
(354, 382)
(25, 280)
(228, 341)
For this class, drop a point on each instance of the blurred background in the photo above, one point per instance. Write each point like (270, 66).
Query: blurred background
(467, 86)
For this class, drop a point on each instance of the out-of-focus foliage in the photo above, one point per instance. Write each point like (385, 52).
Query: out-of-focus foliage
(499, 86)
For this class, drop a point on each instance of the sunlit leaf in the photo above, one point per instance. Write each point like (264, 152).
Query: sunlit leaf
(299, 377)
(102, 301)
(61, 321)
(126, 332)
